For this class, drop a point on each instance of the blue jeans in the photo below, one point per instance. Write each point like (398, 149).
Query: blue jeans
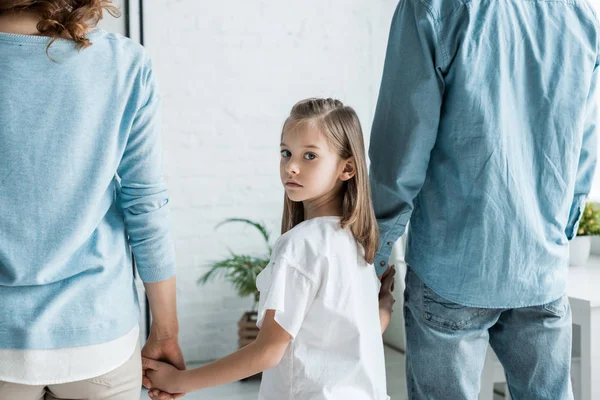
(446, 345)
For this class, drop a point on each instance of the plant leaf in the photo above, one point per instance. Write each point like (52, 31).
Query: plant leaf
(259, 226)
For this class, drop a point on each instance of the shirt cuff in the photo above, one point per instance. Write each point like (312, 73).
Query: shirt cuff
(153, 275)
(385, 248)
(381, 261)
(575, 214)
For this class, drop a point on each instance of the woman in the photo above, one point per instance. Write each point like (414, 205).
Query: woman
(80, 184)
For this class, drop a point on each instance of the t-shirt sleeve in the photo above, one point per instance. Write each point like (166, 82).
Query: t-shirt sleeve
(288, 291)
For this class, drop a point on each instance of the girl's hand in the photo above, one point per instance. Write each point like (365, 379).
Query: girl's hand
(163, 377)
(386, 292)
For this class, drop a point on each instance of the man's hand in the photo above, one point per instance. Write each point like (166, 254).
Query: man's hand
(167, 350)
(386, 292)
(386, 297)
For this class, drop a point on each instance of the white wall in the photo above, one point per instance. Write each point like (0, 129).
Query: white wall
(113, 24)
(229, 73)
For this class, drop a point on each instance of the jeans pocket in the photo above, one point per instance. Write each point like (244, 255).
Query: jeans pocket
(557, 307)
(447, 314)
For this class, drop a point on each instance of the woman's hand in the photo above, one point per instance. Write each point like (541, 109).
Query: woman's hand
(162, 344)
(164, 378)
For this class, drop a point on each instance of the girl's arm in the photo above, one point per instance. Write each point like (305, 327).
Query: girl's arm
(264, 353)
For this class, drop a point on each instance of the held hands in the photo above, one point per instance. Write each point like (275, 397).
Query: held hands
(164, 378)
(166, 349)
(386, 295)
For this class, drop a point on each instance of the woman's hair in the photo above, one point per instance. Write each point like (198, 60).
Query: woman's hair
(341, 127)
(60, 17)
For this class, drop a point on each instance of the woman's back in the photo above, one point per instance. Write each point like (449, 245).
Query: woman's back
(68, 126)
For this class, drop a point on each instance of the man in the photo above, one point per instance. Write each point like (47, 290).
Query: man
(485, 138)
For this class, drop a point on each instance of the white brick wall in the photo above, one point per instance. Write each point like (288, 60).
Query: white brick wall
(229, 73)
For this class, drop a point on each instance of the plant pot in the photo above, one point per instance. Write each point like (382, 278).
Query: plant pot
(579, 250)
(248, 332)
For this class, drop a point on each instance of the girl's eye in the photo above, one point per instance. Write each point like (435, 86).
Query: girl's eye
(310, 156)
(285, 153)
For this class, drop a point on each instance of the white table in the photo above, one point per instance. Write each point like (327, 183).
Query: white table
(584, 296)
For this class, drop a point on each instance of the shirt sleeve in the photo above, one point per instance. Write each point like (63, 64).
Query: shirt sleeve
(587, 158)
(143, 193)
(288, 291)
(406, 120)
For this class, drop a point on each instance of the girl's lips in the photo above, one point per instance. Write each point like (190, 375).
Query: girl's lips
(293, 185)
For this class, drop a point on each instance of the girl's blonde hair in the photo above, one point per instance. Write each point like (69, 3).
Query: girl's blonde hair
(59, 17)
(341, 127)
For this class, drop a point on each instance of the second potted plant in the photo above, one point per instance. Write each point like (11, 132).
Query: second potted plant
(589, 225)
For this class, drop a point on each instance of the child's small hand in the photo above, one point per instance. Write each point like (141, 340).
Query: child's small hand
(163, 376)
(386, 292)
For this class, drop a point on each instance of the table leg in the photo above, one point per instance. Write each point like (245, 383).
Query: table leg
(590, 356)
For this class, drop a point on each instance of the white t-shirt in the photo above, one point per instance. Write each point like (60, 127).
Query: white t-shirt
(325, 295)
(71, 364)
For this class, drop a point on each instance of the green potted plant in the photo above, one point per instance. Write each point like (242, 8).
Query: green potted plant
(241, 271)
(589, 225)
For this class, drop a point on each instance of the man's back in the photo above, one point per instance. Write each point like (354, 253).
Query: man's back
(492, 144)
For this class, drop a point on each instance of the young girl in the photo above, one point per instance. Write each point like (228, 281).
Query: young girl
(319, 315)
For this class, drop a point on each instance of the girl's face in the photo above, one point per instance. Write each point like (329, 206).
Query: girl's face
(310, 168)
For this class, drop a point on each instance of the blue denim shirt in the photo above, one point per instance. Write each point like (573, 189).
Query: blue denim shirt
(485, 139)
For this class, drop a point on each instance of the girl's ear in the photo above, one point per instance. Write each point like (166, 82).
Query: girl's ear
(349, 170)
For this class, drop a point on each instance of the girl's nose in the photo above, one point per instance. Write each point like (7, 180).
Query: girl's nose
(292, 168)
